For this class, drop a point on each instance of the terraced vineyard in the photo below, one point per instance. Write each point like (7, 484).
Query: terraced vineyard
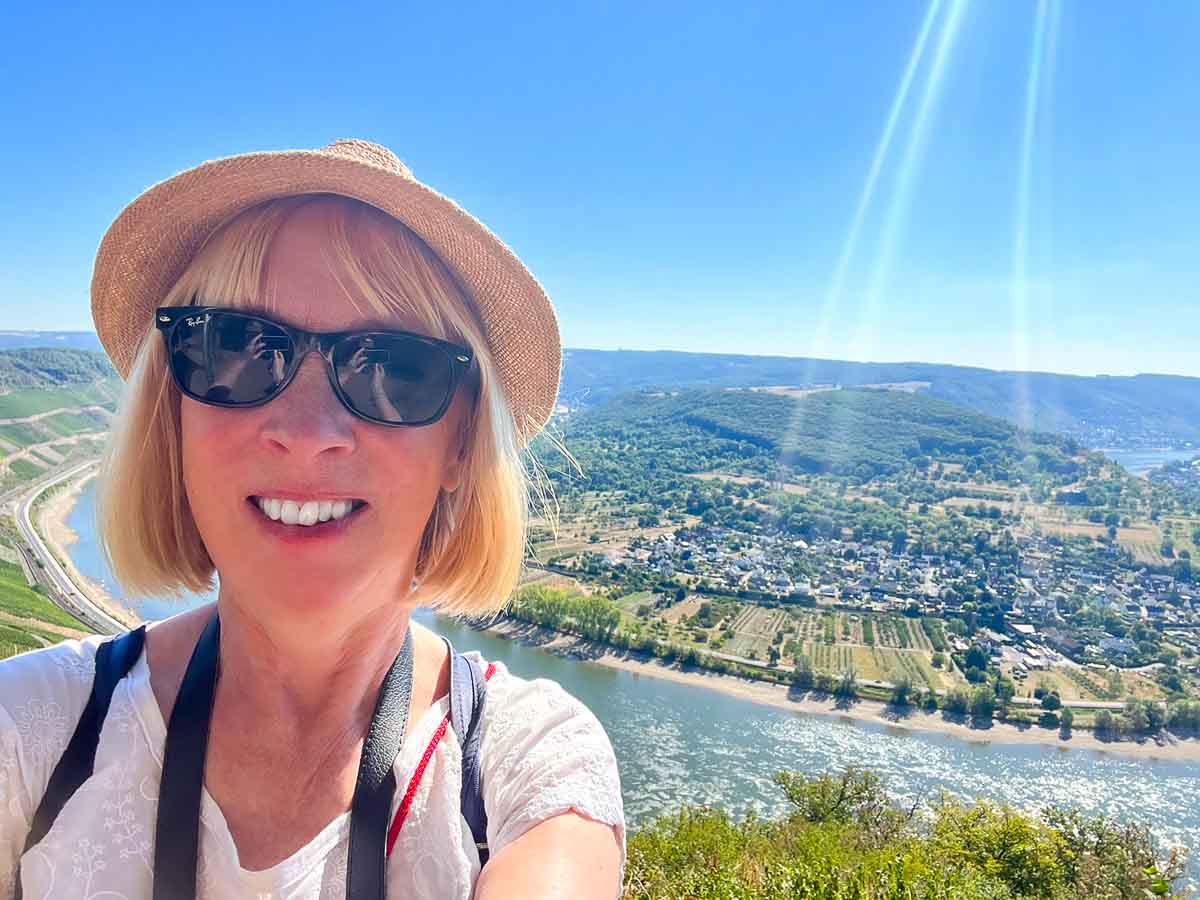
(27, 619)
(41, 428)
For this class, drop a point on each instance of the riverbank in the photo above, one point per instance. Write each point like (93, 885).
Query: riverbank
(1170, 748)
(51, 523)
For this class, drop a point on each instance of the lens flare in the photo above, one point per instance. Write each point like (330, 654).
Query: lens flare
(833, 296)
(1043, 18)
(901, 198)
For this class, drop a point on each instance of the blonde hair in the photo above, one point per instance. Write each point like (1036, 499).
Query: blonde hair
(470, 554)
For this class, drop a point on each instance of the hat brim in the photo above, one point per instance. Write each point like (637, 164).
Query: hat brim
(152, 241)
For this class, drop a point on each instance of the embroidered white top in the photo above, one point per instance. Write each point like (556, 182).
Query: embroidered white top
(542, 753)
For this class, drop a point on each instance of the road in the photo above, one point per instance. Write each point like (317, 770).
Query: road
(63, 591)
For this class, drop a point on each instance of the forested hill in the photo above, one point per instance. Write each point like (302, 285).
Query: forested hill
(51, 368)
(1134, 411)
(860, 432)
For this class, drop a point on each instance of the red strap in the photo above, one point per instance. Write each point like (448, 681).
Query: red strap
(411, 792)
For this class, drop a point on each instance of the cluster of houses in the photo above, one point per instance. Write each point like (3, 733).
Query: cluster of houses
(871, 576)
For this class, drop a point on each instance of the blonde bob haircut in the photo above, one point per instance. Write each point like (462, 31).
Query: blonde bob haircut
(470, 554)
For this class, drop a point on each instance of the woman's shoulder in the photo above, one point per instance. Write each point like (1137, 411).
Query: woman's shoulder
(515, 702)
(57, 672)
(42, 696)
(543, 752)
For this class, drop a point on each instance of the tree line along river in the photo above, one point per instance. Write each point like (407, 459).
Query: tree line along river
(678, 744)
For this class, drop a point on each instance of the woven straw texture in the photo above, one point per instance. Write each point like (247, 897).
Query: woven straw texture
(151, 242)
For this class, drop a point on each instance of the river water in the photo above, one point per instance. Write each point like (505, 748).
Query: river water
(681, 744)
(1139, 462)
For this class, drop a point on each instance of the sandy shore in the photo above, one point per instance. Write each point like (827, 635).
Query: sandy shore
(1169, 748)
(52, 525)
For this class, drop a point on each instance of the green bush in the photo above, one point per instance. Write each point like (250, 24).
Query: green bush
(845, 838)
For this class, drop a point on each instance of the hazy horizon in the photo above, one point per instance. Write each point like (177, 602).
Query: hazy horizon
(829, 359)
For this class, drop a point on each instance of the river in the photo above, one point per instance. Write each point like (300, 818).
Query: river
(681, 744)
(1139, 462)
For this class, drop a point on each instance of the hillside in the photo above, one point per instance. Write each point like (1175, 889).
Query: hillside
(43, 367)
(1134, 411)
(862, 433)
(56, 406)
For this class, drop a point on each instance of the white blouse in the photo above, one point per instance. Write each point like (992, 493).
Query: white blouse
(542, 753)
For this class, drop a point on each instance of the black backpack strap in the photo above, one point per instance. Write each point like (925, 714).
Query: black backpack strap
(114, 658)
(468, 690)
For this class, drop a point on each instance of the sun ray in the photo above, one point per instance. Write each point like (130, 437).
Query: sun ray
(900, 201)
(1020, 261)
(833, 296)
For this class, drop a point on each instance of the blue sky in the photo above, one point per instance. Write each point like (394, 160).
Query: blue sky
(678, 175)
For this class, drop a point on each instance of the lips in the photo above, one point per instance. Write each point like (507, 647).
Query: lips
(305, 513)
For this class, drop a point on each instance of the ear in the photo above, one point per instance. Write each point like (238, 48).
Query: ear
(452, 476)
(456, 461)
(462, 415)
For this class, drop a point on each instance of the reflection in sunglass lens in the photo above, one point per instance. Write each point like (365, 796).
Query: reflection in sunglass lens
(393, 378)
(229, 358)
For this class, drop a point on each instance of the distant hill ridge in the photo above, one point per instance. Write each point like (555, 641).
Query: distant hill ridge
(1138, 411)
(1100, 411)
(63, 340)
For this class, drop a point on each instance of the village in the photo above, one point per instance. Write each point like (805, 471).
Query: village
(1057, 607)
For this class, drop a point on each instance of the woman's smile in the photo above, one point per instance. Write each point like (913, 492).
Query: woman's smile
(277, 526)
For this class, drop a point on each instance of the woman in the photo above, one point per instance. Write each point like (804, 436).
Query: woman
(333, 492)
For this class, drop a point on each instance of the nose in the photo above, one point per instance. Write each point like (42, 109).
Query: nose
(307, 418)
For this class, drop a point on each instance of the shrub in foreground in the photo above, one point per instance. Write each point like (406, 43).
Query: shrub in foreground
(845, 838)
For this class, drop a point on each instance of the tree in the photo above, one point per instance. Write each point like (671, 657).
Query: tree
(848, 684)
(983, 703)
(1051, 702)
(856, 796)
(1135, 716)
(957, 701)
(1066, 720)
(802, 675)
(902, 687)
(976, 658)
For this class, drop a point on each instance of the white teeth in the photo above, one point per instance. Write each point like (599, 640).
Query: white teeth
(310, 512)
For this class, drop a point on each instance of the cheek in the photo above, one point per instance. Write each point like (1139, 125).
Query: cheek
(209, 466)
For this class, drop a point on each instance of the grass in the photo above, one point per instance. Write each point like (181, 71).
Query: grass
(20, 433)
(14, 641)
(69, 423)
(31, 401)
(19, 599)
(23, 468)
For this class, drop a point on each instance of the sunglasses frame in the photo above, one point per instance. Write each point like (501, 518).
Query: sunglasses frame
(167, 318)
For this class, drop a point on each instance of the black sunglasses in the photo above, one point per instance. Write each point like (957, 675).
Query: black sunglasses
(227, 358)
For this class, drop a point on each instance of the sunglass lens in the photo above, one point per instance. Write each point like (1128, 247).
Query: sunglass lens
(392, 378)
(229, 358)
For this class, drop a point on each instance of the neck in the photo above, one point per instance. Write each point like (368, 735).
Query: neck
(307, 671)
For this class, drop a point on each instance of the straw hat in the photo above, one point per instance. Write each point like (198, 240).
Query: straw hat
(151, 242)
